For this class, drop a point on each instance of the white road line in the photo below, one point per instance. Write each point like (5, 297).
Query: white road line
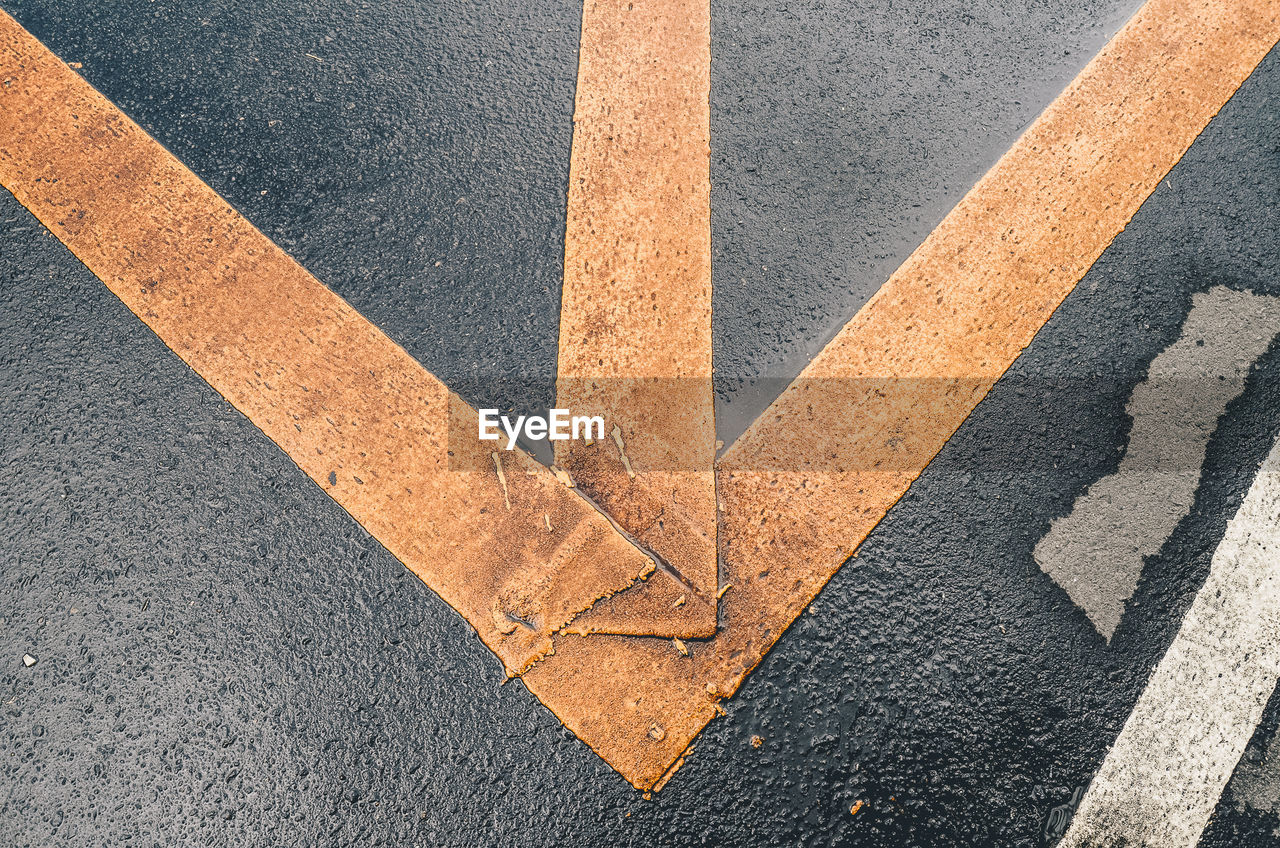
(1164, 775)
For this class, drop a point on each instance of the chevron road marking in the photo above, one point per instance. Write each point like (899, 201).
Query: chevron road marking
(803, 486)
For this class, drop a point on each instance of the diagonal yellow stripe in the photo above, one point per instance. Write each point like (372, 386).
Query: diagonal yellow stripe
(516, 553)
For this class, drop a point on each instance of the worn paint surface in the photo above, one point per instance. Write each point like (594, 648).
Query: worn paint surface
(1096, 553)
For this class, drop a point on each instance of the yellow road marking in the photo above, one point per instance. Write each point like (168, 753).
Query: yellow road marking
(635, 319)
(915, 360)
(518, 557)
(818, 470)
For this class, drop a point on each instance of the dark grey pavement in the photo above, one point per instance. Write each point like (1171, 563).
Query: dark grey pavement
(244, 665)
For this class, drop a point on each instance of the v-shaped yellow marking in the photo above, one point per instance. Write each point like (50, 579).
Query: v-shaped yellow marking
(801, 489)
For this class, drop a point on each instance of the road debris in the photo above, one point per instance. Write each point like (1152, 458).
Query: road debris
(502, 479)
(617, 438)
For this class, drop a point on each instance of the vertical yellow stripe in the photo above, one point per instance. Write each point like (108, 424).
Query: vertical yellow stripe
(635, 321)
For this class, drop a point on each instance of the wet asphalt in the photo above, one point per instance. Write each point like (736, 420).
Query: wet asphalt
(224, 657)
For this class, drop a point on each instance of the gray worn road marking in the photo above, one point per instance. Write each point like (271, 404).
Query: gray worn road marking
(1256, 783)
(1163, 777)
(1097, 551)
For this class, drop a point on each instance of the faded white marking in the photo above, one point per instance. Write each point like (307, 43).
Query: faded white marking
(1163, 777)
(1097, 551)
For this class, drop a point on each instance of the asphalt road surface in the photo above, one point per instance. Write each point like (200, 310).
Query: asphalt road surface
(223, 656)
